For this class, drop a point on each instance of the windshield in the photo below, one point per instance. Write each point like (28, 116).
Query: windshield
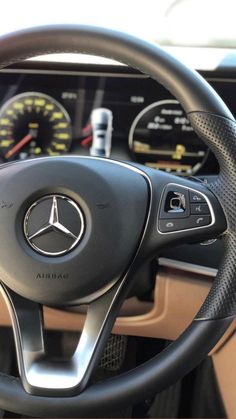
(167, 22)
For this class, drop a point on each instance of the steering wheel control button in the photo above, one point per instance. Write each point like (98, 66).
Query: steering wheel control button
(199, 209)
(182, 209)
(167, 226)
(175, 203)
(202, 220)
(196, 198)
(54, 225)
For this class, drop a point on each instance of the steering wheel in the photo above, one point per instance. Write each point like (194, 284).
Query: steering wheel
(75, 229)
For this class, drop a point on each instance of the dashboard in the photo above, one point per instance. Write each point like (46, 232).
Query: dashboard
(47, 111)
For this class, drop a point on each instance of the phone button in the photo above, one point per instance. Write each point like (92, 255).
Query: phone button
(194, 221)
(200, 220)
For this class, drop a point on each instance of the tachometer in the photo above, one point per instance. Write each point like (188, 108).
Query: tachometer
(33, 124)
(162, 137)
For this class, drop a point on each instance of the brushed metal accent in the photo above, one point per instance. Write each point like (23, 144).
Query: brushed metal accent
(40, 374)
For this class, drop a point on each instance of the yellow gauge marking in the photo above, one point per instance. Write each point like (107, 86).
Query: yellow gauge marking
(52, 153)
(62, 136)
(33, 125)
(4, 132)
(9, 112)
(37, 150)
(56, 115)
(59, 147)
(28, 102)
(6, 143)
(18, 105)
(140, 147)
(60, 125)
(39, 102)
(49, 107)
(29, 109)
(5, 121)
(179, 152)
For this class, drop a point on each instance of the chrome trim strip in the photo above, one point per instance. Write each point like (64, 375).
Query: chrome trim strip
(97, 73)
(188, 267)
(221, 79)
(73, 73)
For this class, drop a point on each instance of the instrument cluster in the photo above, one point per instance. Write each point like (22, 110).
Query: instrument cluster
(49, 113)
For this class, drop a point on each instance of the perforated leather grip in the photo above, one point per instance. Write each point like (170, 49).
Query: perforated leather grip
(220, 134)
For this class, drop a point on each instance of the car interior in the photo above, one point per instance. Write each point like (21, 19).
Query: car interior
(117, 225)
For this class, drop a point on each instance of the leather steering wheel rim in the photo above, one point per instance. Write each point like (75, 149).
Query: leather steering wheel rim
(215, 124)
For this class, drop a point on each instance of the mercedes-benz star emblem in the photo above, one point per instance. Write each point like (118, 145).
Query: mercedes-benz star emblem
(53, 225)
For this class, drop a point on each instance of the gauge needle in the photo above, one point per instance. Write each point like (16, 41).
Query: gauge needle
(86, 140)
(18, 146)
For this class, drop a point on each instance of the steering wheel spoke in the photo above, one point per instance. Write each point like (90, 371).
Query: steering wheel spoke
(43, 375)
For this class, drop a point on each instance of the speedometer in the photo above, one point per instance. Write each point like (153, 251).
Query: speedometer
(33, 124)
(162, 137)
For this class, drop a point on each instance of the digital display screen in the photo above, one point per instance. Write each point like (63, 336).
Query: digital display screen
(149, 125)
